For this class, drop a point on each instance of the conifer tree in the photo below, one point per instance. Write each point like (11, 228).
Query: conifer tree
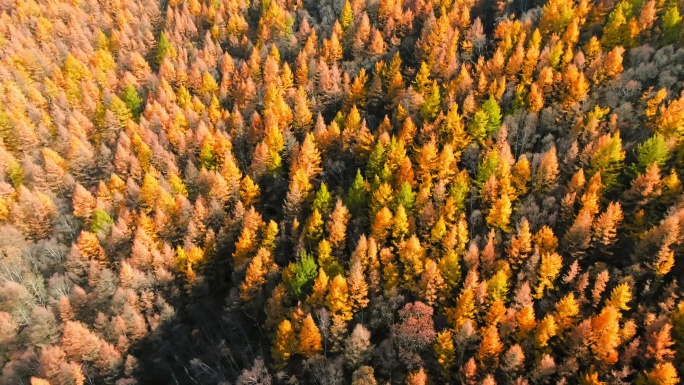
(284, 344)
(337, 299)
(445, 352)
(309, 338)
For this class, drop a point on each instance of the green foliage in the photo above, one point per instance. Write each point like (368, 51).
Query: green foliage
(497, 286)
(100, 220)
(431, 105)
(405, 197)
(459, 190)
(617, 31)
(323, 200)
(607, 159)
(6, 132)
(133, 101)
(164, 48)
(450, 266)
(304, 272)
(555, 56)
(477, 127)
(356, 196)
(653, 150)
(15, 173)
(376, 160)
(422, 81)
(487, 167)
(207, 157)
(672, 24)
(493, 111)
(120, 110)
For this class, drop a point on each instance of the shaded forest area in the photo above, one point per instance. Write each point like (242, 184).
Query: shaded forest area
(341, 192)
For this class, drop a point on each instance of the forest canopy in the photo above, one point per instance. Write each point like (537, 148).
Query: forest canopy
(341, 192)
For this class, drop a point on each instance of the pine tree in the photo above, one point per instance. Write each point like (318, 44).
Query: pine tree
(319, 290)
(659, 343)
(671, 21)
(653, 150)
(566, 311)
(309, 338)
(284, 344)
(499, 215)
(677, 321)
(450, 269)
(521, 243)
(493, 111)
(337, 299)
(382, 224)
(526, 321)
(337, 225)
(411, 254)
(313, 229)
(164, 49)
(249, 191)
(432, 104)
(549, 268)
(358, 287)
(620, 296)
(356, 197)
(432, 285)
(445, 352)
(346, 17)
(490, 347)
(545, 330)
(400, 225)
(464, 309)
(89, 246)
(662, 374)
(497, 286)
(83, 202)
(133, 101)
(255, 276)
(477, 127)
(606, 335)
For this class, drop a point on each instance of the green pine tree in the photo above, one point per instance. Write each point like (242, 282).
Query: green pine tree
(653, 150)
(431, 103)
(477, 127)
(133, 101)
(164, 48)
(491, 107)
(323, 200)
(356, 196)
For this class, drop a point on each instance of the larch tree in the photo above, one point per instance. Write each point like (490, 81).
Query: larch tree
(337, 299)
(309, 338)
(284, 344)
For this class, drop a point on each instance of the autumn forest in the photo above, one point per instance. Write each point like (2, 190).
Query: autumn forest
(365, 192)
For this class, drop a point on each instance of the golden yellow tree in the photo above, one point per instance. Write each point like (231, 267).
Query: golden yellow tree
(551, 264)
(284, 344)
(606, 335)
(545, 330)
(337, 299)
(566, 311)
(490, 346)
(255, 276)
(445, 352)
(309, 338)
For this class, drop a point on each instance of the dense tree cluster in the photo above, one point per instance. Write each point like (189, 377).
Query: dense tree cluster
(341, 192)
